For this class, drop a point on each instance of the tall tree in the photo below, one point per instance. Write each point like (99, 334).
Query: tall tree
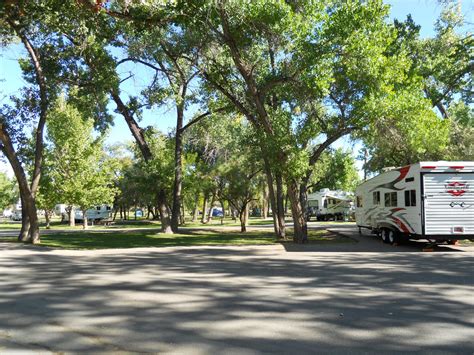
(77, 165)
(23, 23)
(297, 71)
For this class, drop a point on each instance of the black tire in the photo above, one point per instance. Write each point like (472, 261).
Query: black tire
(393, 237)
(384, 235)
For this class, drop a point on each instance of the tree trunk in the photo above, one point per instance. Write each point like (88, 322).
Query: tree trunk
(304, 199)
(278, 222)
(25, 223)
(84, 219)
(151, 210)
(204, 208)
(72, 216)
(182, 220)
(233, 212)
(223, 211)
(47, 215)
(30, 226)
(209, 213)
(265, 201)
(33, 234)
(244, 216)
(164, 213)
(196, 208)
(178, 165)
(299, 222)
(136, 130)
(280, 211)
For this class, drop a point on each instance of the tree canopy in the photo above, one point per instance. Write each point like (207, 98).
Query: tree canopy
(261, 90)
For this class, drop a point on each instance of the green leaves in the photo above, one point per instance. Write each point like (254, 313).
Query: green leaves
(75, 171)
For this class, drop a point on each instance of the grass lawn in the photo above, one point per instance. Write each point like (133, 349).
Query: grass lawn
(135, 239)
(140, 223)
(143, 223)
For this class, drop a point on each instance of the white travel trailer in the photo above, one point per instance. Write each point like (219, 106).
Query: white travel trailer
(96, 214)
(426, 200)
(326, 204)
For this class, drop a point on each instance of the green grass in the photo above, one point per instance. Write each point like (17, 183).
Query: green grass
(217, 221)
(142, 223)
(136, 239)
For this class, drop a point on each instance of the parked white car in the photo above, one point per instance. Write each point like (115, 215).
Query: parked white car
(16, 215)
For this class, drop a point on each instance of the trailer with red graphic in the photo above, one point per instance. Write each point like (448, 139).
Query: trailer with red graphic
(426, 200)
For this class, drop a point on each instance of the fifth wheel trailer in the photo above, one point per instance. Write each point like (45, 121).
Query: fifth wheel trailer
(326, 204)
(426, 200)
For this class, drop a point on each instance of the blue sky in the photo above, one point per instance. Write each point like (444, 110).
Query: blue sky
(424, 13)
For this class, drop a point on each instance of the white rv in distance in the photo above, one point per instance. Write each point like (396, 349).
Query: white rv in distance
(426, 200)
(96, 214)
(326, 204)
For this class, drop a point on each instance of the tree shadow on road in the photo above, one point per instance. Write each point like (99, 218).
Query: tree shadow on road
(228, 299)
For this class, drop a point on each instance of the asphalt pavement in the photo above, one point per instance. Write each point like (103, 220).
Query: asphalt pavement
(359, 297)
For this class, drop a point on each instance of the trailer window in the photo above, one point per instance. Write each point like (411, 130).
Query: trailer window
(376, 197)
(391, 199)
(410, 198)
(359, 201)
(325, 204)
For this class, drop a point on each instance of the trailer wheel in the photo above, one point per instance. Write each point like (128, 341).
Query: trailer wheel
(393, 237)
(384, 235)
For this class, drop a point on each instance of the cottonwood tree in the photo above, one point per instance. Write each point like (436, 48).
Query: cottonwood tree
(23, 23)
(173, 56)
(43, 32)
(297, 71)
(443, 66)
(77, 167)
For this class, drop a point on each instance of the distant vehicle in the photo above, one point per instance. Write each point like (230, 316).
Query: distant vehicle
(256, 212)
(60, 209)
(138, 213)
(217, 212)
(426, 200)
(16, 215)
(96, 214)
(325, 205)
(7, 213)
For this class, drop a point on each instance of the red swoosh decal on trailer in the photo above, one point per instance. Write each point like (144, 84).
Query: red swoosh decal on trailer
(391, 185)
(401, 225)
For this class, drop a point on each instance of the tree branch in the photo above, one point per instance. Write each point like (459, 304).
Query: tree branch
(202, 116)
(136, 60)
(323, 146)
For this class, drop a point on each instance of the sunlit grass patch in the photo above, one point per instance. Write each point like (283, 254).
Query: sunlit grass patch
(198, 237)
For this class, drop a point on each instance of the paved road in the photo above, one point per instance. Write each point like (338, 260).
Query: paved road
(237, 300)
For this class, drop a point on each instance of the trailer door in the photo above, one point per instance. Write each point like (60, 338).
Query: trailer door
(448, 203)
